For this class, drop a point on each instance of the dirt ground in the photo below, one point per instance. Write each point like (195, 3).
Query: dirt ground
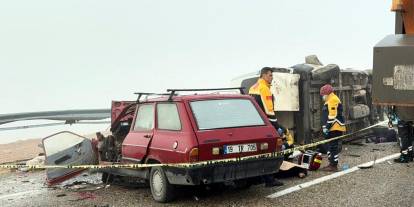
(20, 150)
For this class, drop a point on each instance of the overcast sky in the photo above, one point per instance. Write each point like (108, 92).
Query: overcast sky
(78, 54)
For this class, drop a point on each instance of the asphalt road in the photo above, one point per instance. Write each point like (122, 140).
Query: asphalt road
(386, 184)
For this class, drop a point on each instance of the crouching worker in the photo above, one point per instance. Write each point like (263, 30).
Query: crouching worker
(287, 141)
(264, 98)
(333, 124)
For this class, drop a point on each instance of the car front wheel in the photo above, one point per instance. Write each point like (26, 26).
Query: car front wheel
(162, 191)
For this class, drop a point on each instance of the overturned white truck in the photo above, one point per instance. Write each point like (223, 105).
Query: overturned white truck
(298, 104)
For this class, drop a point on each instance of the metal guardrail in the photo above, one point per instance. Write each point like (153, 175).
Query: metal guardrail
(70, 116)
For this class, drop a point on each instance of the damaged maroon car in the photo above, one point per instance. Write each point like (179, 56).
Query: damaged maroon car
(176, 129)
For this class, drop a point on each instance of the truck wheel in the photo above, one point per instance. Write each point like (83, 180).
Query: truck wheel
(161, 190)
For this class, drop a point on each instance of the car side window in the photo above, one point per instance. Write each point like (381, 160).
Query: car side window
(168, 117)
(144, 118)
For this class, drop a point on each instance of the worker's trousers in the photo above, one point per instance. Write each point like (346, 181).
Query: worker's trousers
(333, 147)
(406, 133)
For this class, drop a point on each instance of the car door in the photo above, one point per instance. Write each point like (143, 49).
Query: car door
(67, 148)
(170, 138)
(135, 145)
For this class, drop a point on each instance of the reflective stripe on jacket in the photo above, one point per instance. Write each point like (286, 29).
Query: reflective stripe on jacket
(332, 116)
(261, 93)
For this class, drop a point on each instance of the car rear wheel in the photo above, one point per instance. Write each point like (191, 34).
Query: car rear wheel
(161, 190)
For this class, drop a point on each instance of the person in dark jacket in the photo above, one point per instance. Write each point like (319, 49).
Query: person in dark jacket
(333, 124)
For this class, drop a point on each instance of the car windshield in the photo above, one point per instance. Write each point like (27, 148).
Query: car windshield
(225, 113)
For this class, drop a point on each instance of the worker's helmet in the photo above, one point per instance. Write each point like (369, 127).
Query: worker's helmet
(326, 90)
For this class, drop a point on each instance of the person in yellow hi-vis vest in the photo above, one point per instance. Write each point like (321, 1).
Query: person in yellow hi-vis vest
(333, 124)
(260, 91)
(264, 97)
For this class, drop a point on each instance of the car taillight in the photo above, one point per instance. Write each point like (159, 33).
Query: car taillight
(264, 146)
(279, 143)
(193, 156)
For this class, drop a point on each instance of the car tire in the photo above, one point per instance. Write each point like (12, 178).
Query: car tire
(162, 191)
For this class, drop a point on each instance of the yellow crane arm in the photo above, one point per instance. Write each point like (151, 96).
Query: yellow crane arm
(406, 8)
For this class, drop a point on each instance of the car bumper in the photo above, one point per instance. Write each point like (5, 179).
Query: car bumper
(222, 172)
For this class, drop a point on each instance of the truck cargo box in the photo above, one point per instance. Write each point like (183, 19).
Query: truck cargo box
(393, 74)
(298, 105)
(393, 71)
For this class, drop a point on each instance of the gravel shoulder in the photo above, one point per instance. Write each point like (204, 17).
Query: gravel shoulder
(383, 185)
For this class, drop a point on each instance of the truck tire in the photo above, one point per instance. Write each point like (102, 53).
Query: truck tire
(162, 191)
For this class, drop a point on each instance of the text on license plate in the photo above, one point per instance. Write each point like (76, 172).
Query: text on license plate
(238, 148)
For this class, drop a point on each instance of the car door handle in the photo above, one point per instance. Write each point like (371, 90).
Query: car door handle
(148, 136)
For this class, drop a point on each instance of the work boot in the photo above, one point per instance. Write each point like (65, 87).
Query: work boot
(275, 182)
(410, 153)
(404, 158)
(330, 168)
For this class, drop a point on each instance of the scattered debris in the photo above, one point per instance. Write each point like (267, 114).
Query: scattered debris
(24, 169)
(50, 187)
(345, 166)
(288, 169)
(376, 149)
(389, 162)
(368, 165)
(61, 195)
(87, 195)
(77, 185)
(84, 186)
(381, 135)
(356, 143)
(196, 198)
(84, 196)
(39, 160)
(365, 166)
(353, 155)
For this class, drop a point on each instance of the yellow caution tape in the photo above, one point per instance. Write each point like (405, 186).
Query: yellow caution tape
(194, 164)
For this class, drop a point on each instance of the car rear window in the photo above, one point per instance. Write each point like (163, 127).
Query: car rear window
(225, 113)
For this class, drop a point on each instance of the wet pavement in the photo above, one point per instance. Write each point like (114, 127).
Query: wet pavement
(386, 184)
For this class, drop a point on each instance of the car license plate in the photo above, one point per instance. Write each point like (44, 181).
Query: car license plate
(239, 148)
